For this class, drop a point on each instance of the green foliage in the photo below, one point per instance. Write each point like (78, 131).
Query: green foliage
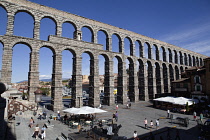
(45, 91)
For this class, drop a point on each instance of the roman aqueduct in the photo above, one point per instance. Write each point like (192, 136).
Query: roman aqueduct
(146, 76)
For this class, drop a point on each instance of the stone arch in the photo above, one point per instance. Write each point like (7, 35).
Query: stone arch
(131, 75)
(193, 61)
(45, 21)
(180, 58)
(175, 57)
(181, 69)
(71, 26)
(189, 60)
(185, 59)
(147, 50)
(104, 42)
(177, 72)
(163, 56)
(116, 46)
(156, 55)
(150, 80)
(119, 98)
(4, 20)
(128, 45)
(139, 48)
(197, 62)
(171, 72)
(201, 62)
(165, 77)
(158, 77)
(170, 56)
(28, 25)
(88, 39)
(141, 80)
(22, 42)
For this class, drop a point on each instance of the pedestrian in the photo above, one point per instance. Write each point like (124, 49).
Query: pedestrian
(117, 107)
(130, 105)
(145, 123)
(127, 105)
(135, 135)
(194, 115)
(31, 122)
(168, 112)
(36, 131)
(59, 115)
(43, 132)
(116, 116)
(151, 124)
(201, 117)
(113, 118)
(157, 123)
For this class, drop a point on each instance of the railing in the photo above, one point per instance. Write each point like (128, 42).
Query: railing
(15, 106)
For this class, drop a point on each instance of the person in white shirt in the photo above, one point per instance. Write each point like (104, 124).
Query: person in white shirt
(135, 135)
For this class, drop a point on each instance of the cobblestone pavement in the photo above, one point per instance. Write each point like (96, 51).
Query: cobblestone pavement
(130, 119)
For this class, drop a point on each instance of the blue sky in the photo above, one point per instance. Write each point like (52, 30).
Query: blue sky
(184, 23)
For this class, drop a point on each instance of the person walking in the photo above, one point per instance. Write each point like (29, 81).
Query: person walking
(157, 124)
(151, 124)
(201, 117)
(135, 135)
(145, 123)
(117, 107)
(116, 116)
(43, 132)
(31, 122)
(194, 115)
(168, 112)
(36, 131)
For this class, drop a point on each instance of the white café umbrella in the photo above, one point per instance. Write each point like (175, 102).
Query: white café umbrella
(69, 110)
(92, 110)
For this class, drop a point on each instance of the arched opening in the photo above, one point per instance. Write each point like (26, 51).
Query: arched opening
(175, 57)
(23, 25)
(171, 72)
(170, 56)
(128, 47)
(141, 80)
(190, 60)
(180, 58)
(130, 73)
(87, 34)
(181, 69)
(138, 48)
(118, 79)
(165, 78)
(177, 72)
(147, 50)
(68, 30)
(193, 61)
(102, 39)
(47, 28)
(1, 54)
(3, 21)
(20, 64)
(201, 62)
(185, 59)
(116, 42)
(158, 78)
(67, 72)
(163, 54)
(155, 52)
(150, 80)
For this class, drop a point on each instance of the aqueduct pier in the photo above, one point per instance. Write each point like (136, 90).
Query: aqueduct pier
(145, 77)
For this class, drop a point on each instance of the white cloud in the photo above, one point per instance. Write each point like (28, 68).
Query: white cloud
(45, 76)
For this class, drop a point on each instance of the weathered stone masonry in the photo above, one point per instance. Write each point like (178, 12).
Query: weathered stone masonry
(152, 76)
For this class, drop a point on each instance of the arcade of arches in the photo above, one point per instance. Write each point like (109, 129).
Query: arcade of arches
(153, 64)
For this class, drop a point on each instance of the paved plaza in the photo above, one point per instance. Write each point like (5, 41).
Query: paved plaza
(130, 119)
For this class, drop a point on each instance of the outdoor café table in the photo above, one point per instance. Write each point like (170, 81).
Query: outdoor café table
(88, 122)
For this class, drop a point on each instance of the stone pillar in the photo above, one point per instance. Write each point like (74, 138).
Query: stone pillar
(77, 83)
(109, 44)
(109, 84)
(121, 45)
(94, 38)
(57, 83)
(96, 84)
(124, 82)
(59, 30)
(146, 98)
(168, 80)
(154, 82)
(36, 29)
(161, 80)
(132, 49)
(33, 75)
(6, 72)
(10, 24)
(78, 35)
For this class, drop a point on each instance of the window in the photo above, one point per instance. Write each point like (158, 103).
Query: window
(197, 79)
(178, 85)
(198, 87)
(185, 85)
